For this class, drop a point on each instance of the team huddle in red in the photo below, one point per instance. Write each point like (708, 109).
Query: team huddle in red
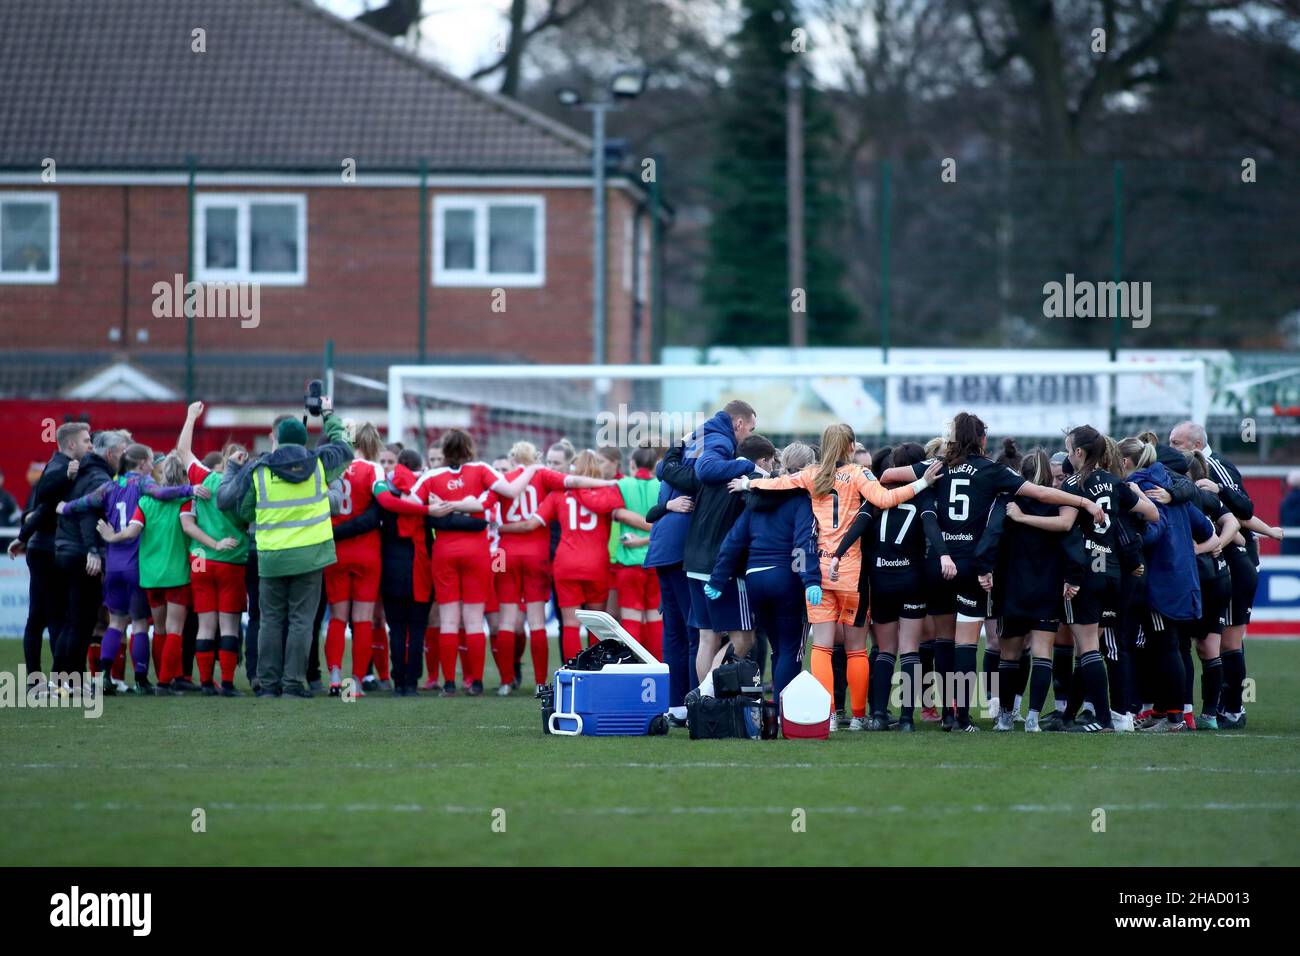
(484, 563)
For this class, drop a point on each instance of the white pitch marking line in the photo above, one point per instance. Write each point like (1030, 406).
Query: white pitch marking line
(888, 809)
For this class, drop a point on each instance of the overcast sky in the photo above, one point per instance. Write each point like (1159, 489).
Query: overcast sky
(458, 34)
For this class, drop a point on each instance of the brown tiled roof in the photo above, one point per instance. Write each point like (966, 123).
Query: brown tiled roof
(283, 84)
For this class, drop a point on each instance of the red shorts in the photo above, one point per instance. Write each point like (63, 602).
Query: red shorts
(461, 578)
(525, 579)
(638, 588)
(492, 604)
(161, 596)
(219, 587)
(352, 581)
(577, 593)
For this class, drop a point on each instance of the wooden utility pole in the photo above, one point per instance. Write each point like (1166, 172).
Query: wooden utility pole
(794, 195)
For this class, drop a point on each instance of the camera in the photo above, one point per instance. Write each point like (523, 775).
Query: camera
(315, 388)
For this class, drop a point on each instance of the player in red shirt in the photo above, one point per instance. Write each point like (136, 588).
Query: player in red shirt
(462, 570)
(611, 467)
(352, 582)
(524, 581)
(582, 559)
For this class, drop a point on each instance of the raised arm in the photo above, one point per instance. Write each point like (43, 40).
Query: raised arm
(185, 441)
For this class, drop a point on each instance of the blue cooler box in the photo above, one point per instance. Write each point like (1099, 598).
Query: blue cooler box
(619, 699)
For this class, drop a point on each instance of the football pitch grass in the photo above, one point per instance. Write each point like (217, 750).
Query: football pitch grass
(468, 781)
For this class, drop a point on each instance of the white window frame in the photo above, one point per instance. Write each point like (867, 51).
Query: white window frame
(242, 272)
(479, 276)
(36, 278)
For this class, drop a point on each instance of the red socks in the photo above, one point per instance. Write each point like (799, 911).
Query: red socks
(334, 636)
(632, 627)
(476, 655)
(570, 643)
(171, 658)
(92, 658)
(540, 648)
(447, 645)
(432, 648)
(229, 662)
(462, 647)
(156, 648)
(503, 652)
(652, 636)
(362, 642)
(119, 663)
(207, 660)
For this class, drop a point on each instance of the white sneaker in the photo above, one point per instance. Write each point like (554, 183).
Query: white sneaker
(503, 690)
(120, 685)
(1123, 723)
(834, 724)
(1031, 725)
(1005, 723)
(994, 709)
(858, 723)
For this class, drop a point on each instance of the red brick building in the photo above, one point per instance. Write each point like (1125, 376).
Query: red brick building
(359, 191)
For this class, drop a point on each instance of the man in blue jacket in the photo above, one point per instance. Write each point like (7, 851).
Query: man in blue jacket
(774, 544)
(711, 456)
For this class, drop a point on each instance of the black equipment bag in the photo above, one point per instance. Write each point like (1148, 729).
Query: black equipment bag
(721, 718)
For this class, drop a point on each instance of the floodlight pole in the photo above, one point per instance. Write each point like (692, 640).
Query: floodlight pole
(598, 265)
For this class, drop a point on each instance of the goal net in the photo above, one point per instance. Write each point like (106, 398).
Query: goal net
(625, 406)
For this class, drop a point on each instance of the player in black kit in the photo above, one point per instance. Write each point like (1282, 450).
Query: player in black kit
(965, 491)
(1033, 561)
(894, 555)
(1099, 597)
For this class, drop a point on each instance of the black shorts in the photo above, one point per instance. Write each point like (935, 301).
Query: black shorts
(1216, 602)
(1097, 602)
(962, 595)
(1018, 626)
(1245, 581)
(897, 594)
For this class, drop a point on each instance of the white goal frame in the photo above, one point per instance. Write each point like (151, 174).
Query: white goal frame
(399, 375)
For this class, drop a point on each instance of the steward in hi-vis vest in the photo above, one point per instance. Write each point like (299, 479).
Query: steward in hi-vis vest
(281, 497)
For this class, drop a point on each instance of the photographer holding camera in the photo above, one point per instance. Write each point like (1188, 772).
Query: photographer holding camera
(281, 496)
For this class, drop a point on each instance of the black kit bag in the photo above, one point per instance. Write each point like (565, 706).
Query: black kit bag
(723, 718)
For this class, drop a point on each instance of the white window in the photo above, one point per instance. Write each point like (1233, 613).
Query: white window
(489, 240)
(251, 237)
(29, 237)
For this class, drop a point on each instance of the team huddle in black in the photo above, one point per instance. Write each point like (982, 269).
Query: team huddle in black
(1102, 598)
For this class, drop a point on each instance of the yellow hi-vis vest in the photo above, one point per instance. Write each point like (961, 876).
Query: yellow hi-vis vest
(291, 514)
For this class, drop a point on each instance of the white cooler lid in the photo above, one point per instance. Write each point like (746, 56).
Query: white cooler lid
(805, 701)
